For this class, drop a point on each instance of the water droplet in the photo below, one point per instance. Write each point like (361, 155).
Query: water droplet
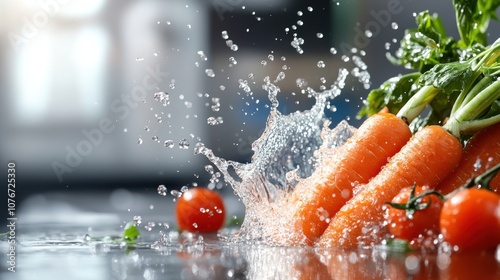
(184, 144)
(333, 50)
(162, 97)
(345, 193)
(477, 164)
(162, 190)
(202, 55)
(280, 77)
(209, 168)
(270, 57)
(412, 264)
(215, 104)
(243, 84)
(394, 25)
(139, 141)
(319, 35)
(146, 128)
(296, 43)
(139, 59)
(321, 64)
(310, 9)
(154, 138)
(214, 120)
(368, 34)
(137, 220)
(263, 63)
(225, 36)
(301, 83)
(125, 130)
(299, 13)
(200, 148)
(176, 193)
(210, 72)
(169, 143)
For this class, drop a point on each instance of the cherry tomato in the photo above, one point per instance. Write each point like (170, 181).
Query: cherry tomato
(200, 210)
(422, 222)
(470, 219)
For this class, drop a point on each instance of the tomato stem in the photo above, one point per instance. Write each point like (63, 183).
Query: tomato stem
(415, 202)
(483, 180)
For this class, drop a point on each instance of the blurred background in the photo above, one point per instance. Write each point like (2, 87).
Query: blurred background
(110, 97)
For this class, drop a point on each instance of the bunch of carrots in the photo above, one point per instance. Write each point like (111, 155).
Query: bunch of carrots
(437, 127)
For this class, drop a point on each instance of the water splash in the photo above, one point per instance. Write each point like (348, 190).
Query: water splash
(287, 152)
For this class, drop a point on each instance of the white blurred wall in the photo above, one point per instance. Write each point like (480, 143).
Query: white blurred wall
(79, 83)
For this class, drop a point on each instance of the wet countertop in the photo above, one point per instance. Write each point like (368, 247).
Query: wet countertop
(58, 239)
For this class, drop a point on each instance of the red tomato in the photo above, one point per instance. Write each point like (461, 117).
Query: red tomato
(423, 220)
(200, 210)
(470, 219)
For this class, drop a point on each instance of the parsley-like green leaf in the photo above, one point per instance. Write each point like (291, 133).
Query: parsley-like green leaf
(393, 94)
(131, 232)
(473, 17)
(425, 46)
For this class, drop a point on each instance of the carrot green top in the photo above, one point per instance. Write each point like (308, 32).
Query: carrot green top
(456, 82)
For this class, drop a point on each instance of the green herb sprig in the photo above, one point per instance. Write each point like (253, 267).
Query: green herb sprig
(454, 81)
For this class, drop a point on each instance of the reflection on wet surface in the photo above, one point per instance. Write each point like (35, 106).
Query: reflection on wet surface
(68, 252)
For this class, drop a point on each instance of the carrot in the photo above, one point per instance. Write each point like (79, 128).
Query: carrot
(430, 155)
(307, 266)
(484, 147)
(315, 200)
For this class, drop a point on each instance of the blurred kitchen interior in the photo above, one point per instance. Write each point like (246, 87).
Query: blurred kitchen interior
(78, 80)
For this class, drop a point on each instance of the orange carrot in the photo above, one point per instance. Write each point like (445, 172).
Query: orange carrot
(484, 147)
(430, 155)
(315, 200)
(308, 266)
